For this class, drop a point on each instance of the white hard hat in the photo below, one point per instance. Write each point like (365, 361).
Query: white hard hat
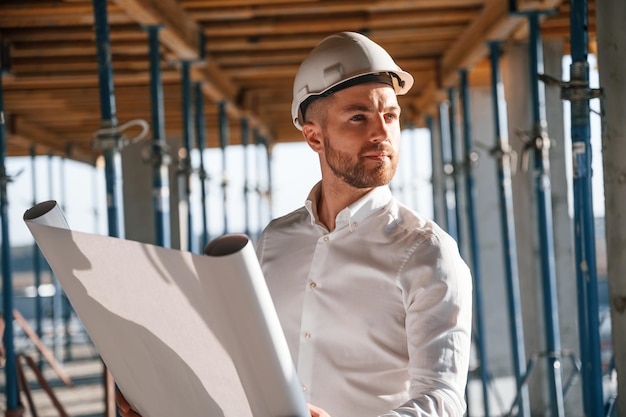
(340, 61)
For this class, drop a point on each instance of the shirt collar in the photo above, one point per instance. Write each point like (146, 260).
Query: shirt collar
(356, 212)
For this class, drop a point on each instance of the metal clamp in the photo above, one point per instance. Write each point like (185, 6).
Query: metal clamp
(574, 90)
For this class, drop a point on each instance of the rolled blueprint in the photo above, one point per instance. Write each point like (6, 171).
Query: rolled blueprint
(183, 334)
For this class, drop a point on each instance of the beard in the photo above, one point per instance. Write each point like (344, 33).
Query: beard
(354, 172)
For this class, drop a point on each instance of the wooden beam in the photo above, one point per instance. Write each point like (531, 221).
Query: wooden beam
(25, 133)
(494, 22)
(15, 15)
(181, 35)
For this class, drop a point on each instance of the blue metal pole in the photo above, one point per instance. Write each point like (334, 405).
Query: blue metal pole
(201, 138)
(66, 308)
(258, 141)
(245, 141)
(160, 180)
(431, 129)
(541, 144)
(268, 152)
(470, 193)
(448, 170)
(10, 366)
(36, 260)
(56, 298)
(507, 225)
(223, 130)
(185, 160)
(453, 163)
(110, 142)
(584, 228)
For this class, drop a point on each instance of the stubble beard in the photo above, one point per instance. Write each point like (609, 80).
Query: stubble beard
(355, 172)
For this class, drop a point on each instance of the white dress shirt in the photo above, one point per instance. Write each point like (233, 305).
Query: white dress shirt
(377, 313)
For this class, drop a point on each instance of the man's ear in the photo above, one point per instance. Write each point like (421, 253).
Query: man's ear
(312, 134)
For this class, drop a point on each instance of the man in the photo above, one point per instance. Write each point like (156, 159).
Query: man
(374, 299)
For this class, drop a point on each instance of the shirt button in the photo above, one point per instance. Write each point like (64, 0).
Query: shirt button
(307, 335)
(326, 238)
(303, 388)
(313, 285)
(354, 225)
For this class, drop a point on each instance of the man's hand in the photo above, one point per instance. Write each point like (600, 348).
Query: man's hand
(316, 411)
(123, 405)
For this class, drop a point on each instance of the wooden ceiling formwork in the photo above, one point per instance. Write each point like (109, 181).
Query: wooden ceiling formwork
(252, 49)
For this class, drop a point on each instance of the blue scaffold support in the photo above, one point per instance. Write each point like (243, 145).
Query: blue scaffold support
(430, 125)
(449, 200)
(184, 168)
(160, 158)
(202, 174)
(258, 189)
(109, 141)
(470, 193)
(57, 304)
(36, 260)
(453, 163)
(502, 151)
(10, 366)
(579, 94)
(245, 141)
(268, 159)
(223, 130)
(264, 156)
(540, 143)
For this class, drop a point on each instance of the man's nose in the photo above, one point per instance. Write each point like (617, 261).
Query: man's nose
(379, 131)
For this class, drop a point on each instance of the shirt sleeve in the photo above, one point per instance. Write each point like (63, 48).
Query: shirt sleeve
(437, 289)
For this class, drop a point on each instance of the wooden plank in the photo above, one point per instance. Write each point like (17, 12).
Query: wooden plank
(327, 24)
(252, 8)
(15, 15)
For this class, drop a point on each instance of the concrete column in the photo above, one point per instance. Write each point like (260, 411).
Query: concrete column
(138, 210)
(490, 235)
(611, 18)
(496, 326)
(519, 121)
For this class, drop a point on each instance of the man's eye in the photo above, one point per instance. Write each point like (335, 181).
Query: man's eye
(357, 117)
(391, 116)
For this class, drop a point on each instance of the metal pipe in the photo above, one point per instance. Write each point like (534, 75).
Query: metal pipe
(160, 160)
(108, 142)
(36, 260)
(269, 178)
(245, 141)
(541, 144)
(201, 138)
(223, 130)
(57, 314)
(584, 228)
(507, 224)
(66, 308)
(184, 171)
(258, 141)
(435, 187)
(10, 366)
(470, 193)
(448, 171)
(452, 109)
